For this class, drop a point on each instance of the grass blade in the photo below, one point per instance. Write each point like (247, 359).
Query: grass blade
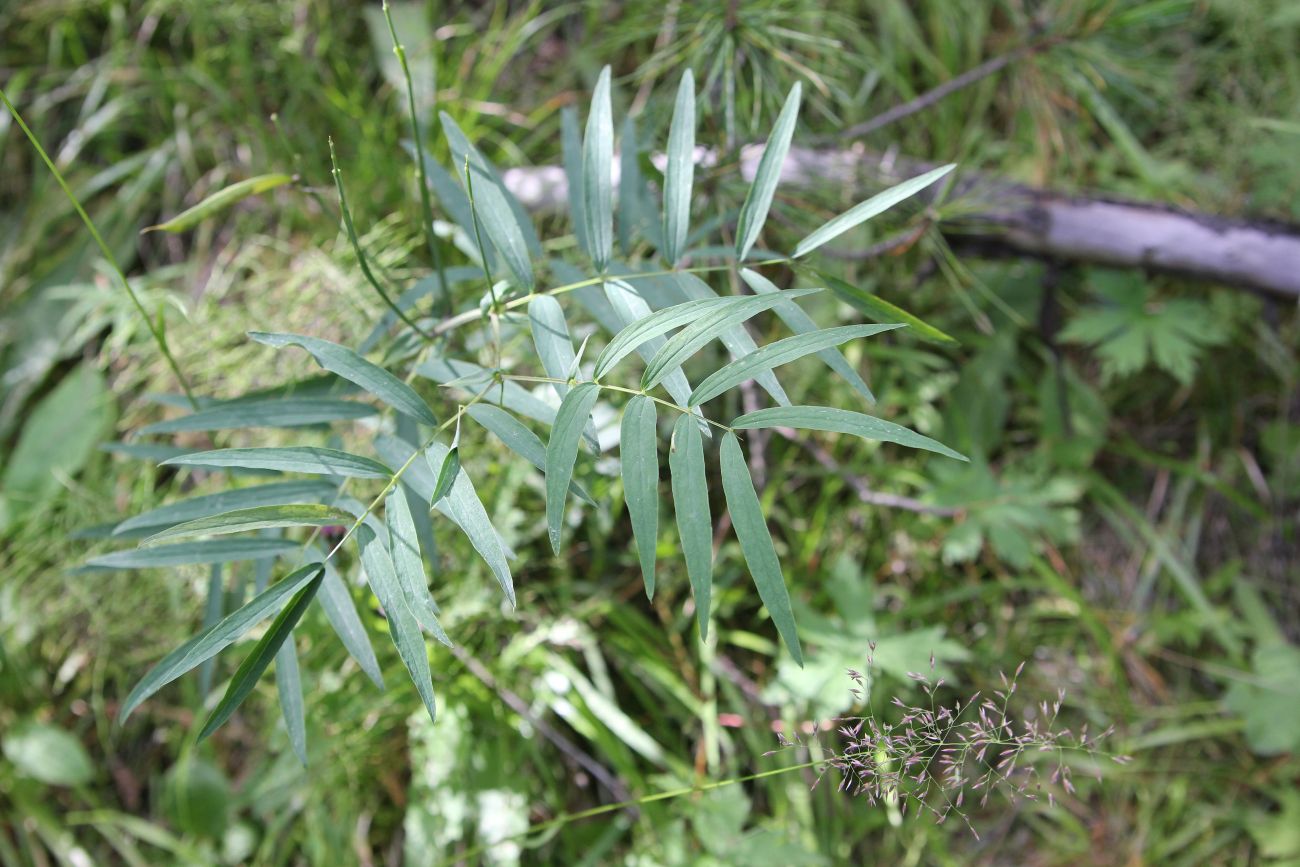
(290, 459)
(402, 626)
(193, 553)
(219, 201)
(864, 211)
(680, 173)
(562, 453)
(827, 418)
(753, 213)
(217, 638)
(597, 173)
(251, 669)
(639, 454)
(694, 520)
(370, 377)
(289, 412)
(707, 327)
(778, 353)
(256, 518)
(756, 542)
(801, 323)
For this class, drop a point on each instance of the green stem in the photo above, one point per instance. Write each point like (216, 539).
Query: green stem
(155, 330)
(361, 255)
(566, 818)
(426, 205)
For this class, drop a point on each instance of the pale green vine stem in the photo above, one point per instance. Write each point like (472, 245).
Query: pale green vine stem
(155, 329)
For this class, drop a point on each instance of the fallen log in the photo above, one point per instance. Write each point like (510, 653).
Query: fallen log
(1257, 255)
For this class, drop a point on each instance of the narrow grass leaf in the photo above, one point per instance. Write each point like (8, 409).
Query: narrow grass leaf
(694, 520)
(256, 518)
(342, 614)
(639, 453)
(597, 173)
(492, 202)
(801, 323)
(288, 685)
(707, 327)
(778, 353)
(191, 553)
(251, 669)
(290, 459)
(562, 453)
(402, 625)
(680, 173)
(551, 339)
(219, 201)
(864, 211)
(877, 308)
(372, 378)
(756, 542)
(827, 418)
(217, 638)
(287, 412)
(520, 440)
(408, 564)
(225, 501)
(753, 213)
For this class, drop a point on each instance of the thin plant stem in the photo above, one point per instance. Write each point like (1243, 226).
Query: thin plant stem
(426, 205)
(361, 255)
(155, 329)
(567, 818)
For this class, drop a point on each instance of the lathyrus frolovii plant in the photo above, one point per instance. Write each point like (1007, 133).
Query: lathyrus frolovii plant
(660, 310)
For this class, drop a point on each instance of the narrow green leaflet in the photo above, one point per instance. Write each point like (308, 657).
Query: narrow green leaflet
(571, 146)
(694, 520)
(290, 459)
(226, 501)
(753, 213)
(801, 323)
(639, 453)
(402, 626)
(219, 201)
(445, 473)
(492, 203)
(680, 173)
(519, 439)
(282, 412)
(710, 326)
(251, 669)
(562, 453)
(190, 553)
(877, 308)
(842, 421)
(462, 505)
(756, 542)
(288, 685)
(597, 173)
(408, 565)
(653, 325)
(551, 338)
(778, 353)
(256, 518)
(372, 378)
(472, 378)
(864, 211)
(217, 638)
(341, 612)
(451, 196)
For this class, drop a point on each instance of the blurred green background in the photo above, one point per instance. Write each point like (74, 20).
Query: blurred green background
(1128, 526)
